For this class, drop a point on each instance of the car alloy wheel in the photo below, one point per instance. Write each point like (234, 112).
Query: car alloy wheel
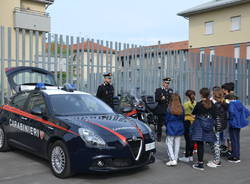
(58, 159)
(3, 141)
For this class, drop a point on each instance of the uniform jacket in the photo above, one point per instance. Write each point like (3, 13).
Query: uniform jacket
(174, 124)
(162, 104)
(105, 92)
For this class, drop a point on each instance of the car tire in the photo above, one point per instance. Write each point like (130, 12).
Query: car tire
(59, 160)
(4, 147)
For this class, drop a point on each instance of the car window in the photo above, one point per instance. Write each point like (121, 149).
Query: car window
(78, 104)
(19, 100)
(36, 100)
(33, 77)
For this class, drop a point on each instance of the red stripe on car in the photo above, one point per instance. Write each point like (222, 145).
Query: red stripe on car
(124, 139)
(31, 116)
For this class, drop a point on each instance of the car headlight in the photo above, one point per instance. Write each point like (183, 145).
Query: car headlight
(151, 133)
(91, 138)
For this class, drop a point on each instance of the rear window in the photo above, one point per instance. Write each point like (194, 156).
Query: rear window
(33, 77)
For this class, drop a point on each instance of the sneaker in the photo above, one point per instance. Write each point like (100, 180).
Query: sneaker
(233, 160)
(223, 149)
(171, 163)
(174, 162)
(199, 166)
(184, 159)
(213, 164)
(226, 154)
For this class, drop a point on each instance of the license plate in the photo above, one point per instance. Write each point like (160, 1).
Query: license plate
(150, 146)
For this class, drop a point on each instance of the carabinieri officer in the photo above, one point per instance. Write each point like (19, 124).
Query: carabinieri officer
(162, 96)
(105, 91)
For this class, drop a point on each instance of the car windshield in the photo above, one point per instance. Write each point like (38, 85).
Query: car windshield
(78, 104)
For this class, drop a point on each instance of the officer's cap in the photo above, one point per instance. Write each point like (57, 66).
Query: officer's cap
(107, 75)
(167, 79)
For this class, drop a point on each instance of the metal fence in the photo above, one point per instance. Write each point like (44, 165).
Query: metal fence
(83, 61)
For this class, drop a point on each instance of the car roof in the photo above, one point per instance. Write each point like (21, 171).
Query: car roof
(62, 92)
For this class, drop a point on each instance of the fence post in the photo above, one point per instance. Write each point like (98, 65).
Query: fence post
(2, 63)
(9, 56)
(248, 82)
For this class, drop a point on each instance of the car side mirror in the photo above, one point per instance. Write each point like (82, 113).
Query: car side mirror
(37, 111)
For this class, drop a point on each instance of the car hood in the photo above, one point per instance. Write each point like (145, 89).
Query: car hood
(106, 124)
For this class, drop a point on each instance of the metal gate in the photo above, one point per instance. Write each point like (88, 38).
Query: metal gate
(83, 61)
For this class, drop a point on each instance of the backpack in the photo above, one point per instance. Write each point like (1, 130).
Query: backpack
(238, 114)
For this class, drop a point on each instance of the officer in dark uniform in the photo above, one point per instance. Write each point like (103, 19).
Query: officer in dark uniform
(105, 91)
(162, 96)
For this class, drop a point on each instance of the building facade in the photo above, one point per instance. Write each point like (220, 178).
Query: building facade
(24, 23)
(220, 27)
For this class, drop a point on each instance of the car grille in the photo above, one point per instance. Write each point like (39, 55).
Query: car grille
(135, 147)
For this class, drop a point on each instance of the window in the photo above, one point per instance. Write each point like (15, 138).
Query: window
(20, 100)
(235, 23)
(78, 104)
(212, 53)
(209, 28)
(237, 52)
(202, 56)
(36, 100)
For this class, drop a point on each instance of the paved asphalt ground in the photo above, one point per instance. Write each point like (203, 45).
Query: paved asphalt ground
(18, 167)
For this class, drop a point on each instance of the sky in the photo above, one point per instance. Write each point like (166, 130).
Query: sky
(141, 22)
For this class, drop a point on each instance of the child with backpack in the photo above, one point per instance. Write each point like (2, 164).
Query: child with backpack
(174, 120)
(238, 115)
(202, 130)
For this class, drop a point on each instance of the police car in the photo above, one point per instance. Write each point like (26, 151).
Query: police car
(73, 130)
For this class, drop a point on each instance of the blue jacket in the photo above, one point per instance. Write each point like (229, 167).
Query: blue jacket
(174, 124)
(238, 114)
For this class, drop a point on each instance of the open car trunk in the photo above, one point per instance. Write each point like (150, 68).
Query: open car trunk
(25, 78)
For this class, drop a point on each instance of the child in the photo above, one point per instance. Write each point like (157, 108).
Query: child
(189, 118)
(202, 128)
(174, 120)
(228, 89)
(238, 115)
(220, 124)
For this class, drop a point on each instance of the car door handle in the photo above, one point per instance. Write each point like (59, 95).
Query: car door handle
(49, 127)
(24, 118)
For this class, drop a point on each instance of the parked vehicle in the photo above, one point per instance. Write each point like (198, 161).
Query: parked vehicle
(75, 131)
(130, 105)
(150, 107)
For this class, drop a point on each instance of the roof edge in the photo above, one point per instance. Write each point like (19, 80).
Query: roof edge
(204, 10)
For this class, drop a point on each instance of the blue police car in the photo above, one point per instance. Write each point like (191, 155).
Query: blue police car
(73, 130)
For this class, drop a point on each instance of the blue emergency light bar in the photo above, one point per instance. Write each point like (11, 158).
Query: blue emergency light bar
(69, 87)
(40, 86)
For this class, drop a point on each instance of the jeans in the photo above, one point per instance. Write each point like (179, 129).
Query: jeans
(189, 142)
(235, 141)
(200, 150)
(173, 147)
